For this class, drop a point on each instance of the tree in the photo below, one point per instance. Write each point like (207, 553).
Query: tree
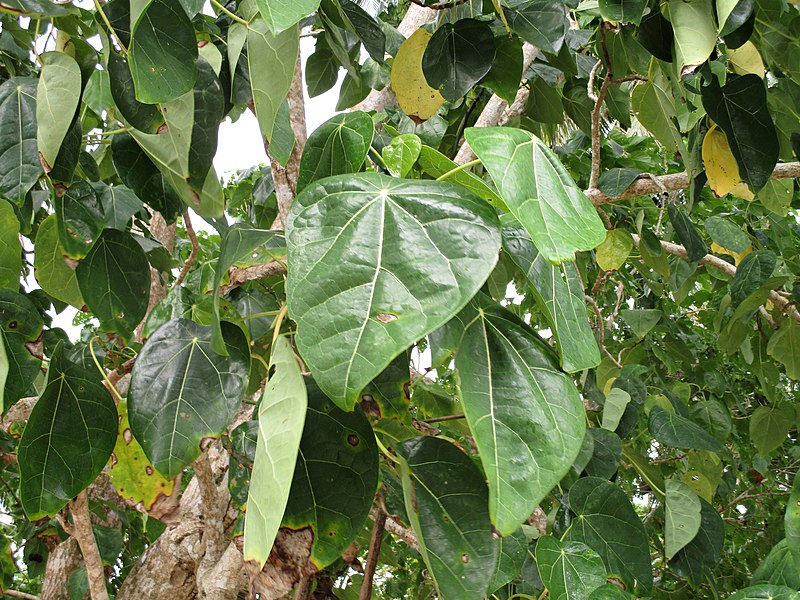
(519, 322)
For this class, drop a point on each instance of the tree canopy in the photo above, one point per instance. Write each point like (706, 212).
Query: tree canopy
(519, 322)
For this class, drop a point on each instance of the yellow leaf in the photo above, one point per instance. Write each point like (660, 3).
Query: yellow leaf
(746, 60)
(414, 95)
(614, 250)
(721, 168)
(737, 256)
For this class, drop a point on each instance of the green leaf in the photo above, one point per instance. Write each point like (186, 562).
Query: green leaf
(740, 109)
(20, 324)
(614, 250)
(271, 60)
(713, 416)
(606, 455)
(654, 108)
(706, 547)
(569, 571)
(322, 72)
(144, 117)
(752, 273)
(119, 205)
(425, 248)
(615, 181)
(784, 346)
(182, 393)
(695, 33)
(445, 496)
(616, 402)
(679, 432)
(766, 591)
(68, 438)
(506, 72)
(623, 11)
(10, 248)
(52, 272)
(641, 321)
(776, 195)
(281, 416)
(114, 280)
(610, 591)
(558, 290)
(436, 164)
(5, 369)
(607, 523)
(20, 167)
(544, 103)
(517, 404)
(682, 516)
(513, 552)
(731, 15)
(543, 23)
(458, 56)
(687, 233)
(338, 146)
(778, 568)
(336, 447)
(401, 153)
(769, 427)
(367, 29)
(57, 98)
(163, 52)
(280, 15)
(80, 219)
(209, 110)
(724, 233)
(791, 521)
(538, 191)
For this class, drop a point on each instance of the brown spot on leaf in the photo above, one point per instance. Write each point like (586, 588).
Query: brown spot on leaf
(369, 406)
(353, 440)
(206, 442)
(45, 165)
(386, 317)
(163, 128)
(148, 469)
(114, 460)
(202, 43)
(127, 435)
(617, 582)
(465, 558)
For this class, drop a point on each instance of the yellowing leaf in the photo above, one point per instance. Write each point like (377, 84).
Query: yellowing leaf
(133, 476)
(614, 250)
(415, 96)
(746, 60)
(721, 168)
(737, 256)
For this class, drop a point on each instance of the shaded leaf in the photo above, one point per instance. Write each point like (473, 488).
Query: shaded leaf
(52, 272)
(721, 167)
(119, 205)
(436, 164)
(569, 571)
(724, 233)
(641, 321)
(57, 98)
(623, 11)
(615, 181)
(769, 427)
(679, 432)
(687, 233)
(20, 167)
(755, 269)
(784, 346)
(80, 219)
(10, 248)
(20, 323)
(543, 23)
(706, 547)
(778, 568)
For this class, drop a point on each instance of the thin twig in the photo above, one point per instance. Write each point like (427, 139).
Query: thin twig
(397, 529)
(239, 276)
(439, 5)
(445, 418)
(372, 556)
(601, 331)
(187, 222)
(84, 535)
(16, 594)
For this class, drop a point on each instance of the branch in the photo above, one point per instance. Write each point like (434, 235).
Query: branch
(16, 594)
(647, 183)
(396, 529)
(372, 556)
(239, 276)
(780, 301)
(83, 533)
(187, 222)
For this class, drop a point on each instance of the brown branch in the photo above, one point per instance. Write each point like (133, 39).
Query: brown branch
(397, 529)
(445, 418)
(16, 594)
(372, 556)
(83, 533)
(239, 276)
(439, 5)
(601, 331)
(187, 222)
(647, 183)
(596, 113)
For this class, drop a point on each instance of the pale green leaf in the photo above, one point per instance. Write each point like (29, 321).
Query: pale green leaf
(57, 97)
(784, 346)
(401, 154)
(641, 320)
(280, 15)
(569, 571)
(682, 516)
(52, 272)
(10, 248)
(614, 250)
(695, 32)
(617, 401)
(770, 426)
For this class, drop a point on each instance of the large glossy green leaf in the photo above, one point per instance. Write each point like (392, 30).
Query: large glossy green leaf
(569, 571)
(543, 23)
(445, 497)
(335, 478)
(518, 404)
(52, 272)
(740, 109)
(209, 110)
(706, 547)
(538, 191)
(144, 117)
(281, 416)
(114, 280)
(119, 205)
(682, 516)
(791, 521)
(458, 56)
(687, 233)
(10, 248)
(766, 591)
(68, 438)
(778, 568)
(624, 11)
(182, 393)
(679, 432)
(436, 164)
(752, 273)
(506, 72)
(280, 15)
(695, 32)
(607, 523)
(163, 52)
(769, 427)
(20, 323)
(57, 97)
(336, 147)
(375, 263)
(80, 219)
(271, 60)
(20, 167)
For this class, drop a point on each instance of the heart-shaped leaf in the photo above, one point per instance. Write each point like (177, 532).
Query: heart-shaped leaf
(414, 95)
(57, 97)
(10, 247)
(607, 523)
(80, 219)
(281, 416)
(679, 432)
(20, 167)
(55, 276)
(336, 147)
(706, 547)
(569, 571)
(682, 516)
(423, 247)
(517, 404)
(114, 280)
(68, 439)
(183, 393)
(280, 15)
(445, 497)
(538, 191)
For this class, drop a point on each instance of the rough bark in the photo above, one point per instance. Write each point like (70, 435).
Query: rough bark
(84, 535)
(61, 562)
